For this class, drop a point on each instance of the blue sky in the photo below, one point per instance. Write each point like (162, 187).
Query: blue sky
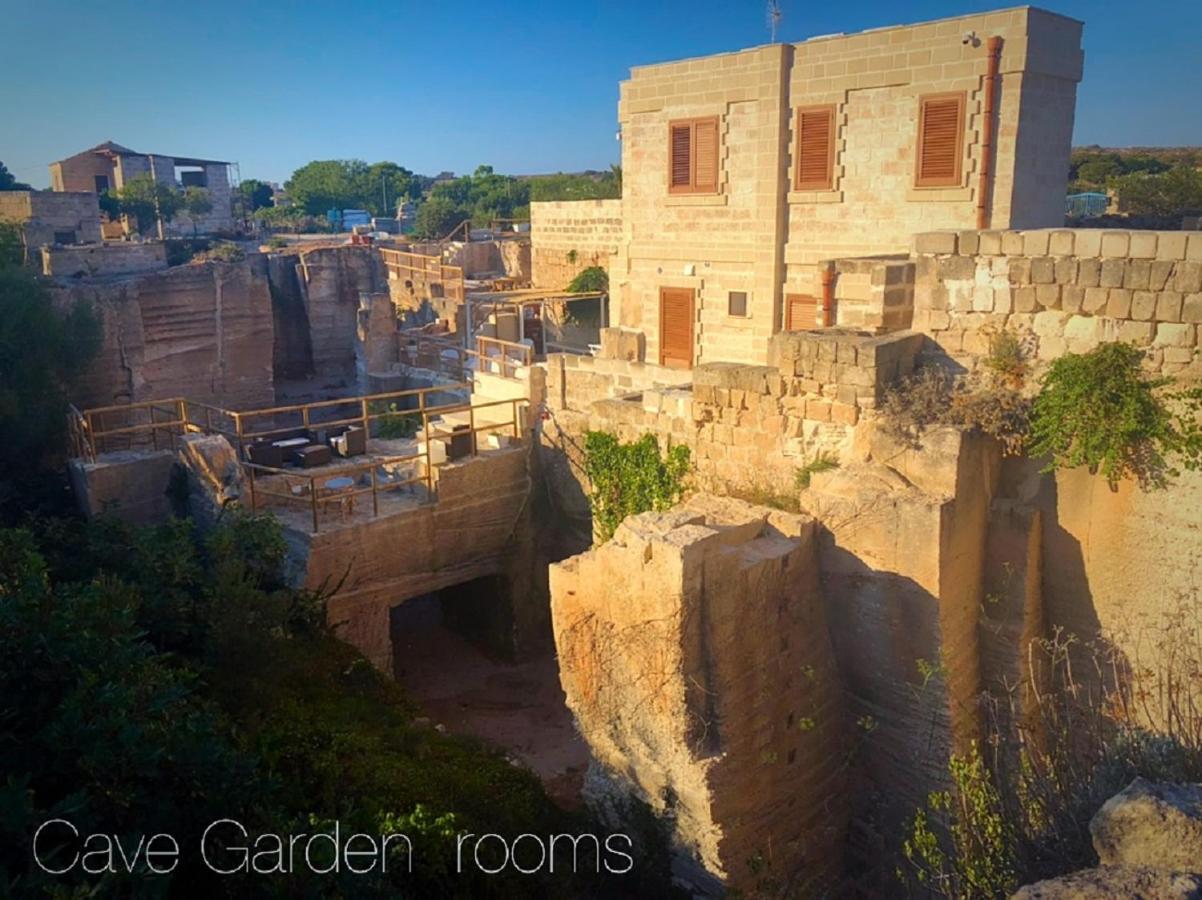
(523, 85)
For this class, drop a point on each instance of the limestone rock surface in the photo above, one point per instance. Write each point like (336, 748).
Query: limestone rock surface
(1151, 824)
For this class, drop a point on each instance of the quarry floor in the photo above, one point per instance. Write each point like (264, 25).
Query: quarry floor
(518, 707)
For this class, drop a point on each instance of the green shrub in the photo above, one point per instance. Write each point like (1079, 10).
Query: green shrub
(394, 424)
(1084, 721)
(594, 278)
(1007, 357)
(822, 462)
(1101, 410)
(155, 680)
(628, 479)
(932, 397)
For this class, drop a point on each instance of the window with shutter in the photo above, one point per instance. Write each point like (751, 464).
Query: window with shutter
(815, 149)
(681, 152)
(693, 156)
(940, 149)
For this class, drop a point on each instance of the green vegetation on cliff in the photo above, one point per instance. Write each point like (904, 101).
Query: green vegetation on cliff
(156, 680)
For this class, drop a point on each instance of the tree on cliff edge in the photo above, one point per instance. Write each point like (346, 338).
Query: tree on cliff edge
(8, 181)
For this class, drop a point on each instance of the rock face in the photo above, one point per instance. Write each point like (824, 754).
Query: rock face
(331, 279)
(1151, 824)
(1110, 884)
(212, 474)
(694, 654)
(1148, 838)
(202, 331)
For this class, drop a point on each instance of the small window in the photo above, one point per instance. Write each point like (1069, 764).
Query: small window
(815, 149)
(940, 153)
(693, 156)
(102, 183)
(736, 303)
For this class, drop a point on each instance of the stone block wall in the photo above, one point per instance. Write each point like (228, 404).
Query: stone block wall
(748, 427)
(568, 236)
(1063, 290)
(873, 293)
(113, 258)
(46, 215)
(710, 243)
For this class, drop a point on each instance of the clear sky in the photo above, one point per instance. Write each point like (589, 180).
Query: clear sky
(523, 85)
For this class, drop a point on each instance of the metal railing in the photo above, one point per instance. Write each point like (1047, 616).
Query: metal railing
(507, 356)
(371, 478)
(156, 424)
(426, 271)
(147, 425)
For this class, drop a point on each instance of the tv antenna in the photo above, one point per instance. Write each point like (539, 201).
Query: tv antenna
(774, 16)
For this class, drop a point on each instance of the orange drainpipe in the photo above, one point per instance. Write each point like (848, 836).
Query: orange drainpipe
(994, 51)
(828, 295)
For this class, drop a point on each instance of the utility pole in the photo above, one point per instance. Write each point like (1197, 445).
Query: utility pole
(774, 16)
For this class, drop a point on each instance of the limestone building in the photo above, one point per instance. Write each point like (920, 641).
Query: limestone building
(745, 172)
(110, 166)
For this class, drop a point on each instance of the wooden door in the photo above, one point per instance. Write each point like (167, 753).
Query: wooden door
(676, 327)
(801, 312)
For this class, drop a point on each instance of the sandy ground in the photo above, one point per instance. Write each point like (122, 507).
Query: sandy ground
(519, 707)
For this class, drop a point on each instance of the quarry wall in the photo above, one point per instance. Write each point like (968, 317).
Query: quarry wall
(478, 527)
(694, 654)
(1063, 290)
(203, 331)
(331, 279)
(568, 236)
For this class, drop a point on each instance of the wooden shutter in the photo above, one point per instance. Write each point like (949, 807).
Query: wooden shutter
(676, 327)
(693, 156)
(940, 140)
(815, 149)
(705, 149)
(680, 166)
(801, 312)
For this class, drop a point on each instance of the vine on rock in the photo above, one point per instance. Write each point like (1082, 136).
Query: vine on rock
(631, 478)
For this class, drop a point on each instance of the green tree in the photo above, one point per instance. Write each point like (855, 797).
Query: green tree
(327, 184)
(42, 353)
(1095, 170)
(1176, 192)
(8, 181)
(255, 194)
(578, 186)
(197, 203)
(483, 196)
(148, 201)
(437, 216)
(12, 244)
(1101, 410)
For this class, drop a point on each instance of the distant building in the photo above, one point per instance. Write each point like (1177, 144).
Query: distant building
(49, 218)
(110, 166)
(1086, 205)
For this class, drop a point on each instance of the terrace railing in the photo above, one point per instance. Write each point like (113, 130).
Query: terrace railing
(421, 413)
(379, 475)
(507, 356)
(425, 271)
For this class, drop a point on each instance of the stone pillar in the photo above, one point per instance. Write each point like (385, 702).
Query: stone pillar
(694, 653)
